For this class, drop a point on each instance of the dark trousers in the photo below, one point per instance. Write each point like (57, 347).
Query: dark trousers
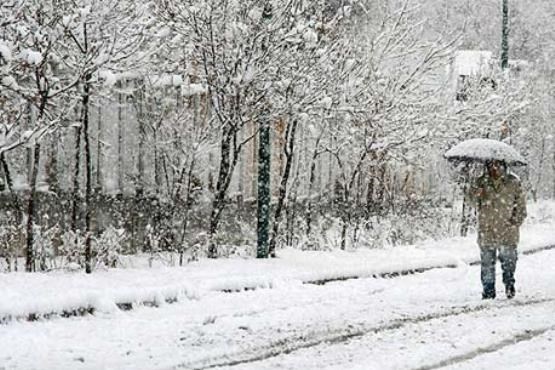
(507, 257)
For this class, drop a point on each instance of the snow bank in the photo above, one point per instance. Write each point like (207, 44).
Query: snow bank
(40, 294)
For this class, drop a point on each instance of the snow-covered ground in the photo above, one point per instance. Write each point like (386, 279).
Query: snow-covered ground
(43, 293)
(425, 321)
(56, 292)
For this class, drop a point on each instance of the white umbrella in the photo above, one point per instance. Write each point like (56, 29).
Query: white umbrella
(483, 150)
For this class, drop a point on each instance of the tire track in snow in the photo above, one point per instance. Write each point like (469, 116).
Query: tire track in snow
(284, 307)
(521, 337)
(311, 339)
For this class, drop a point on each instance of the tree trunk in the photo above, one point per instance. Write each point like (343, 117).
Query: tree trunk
(141, 160)
(344, 234)
(121, 182)
(290, 214)
(76, 174)
(31, 206)
(553, 173)
(99, 153)
(312, 178)
(9, 182)
(188, 204)
(158, 178)
(51, 164)
(370, 200)
(380, 194)
(465, 221)
(224, 177)
(31, 211)
(88, 175)
(288, 151)
(536, 188)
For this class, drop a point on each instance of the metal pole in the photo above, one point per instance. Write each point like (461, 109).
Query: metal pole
(264, 158)
(505, 36)
(264, 168)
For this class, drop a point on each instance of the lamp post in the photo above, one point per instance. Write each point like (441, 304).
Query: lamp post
(264, 171)
(505, 36)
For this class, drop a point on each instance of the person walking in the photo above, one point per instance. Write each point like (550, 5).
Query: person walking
(500, 203)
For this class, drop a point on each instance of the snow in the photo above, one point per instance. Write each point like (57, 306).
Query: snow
(536, 353)
(129, 75)
(472, 62)
(20, 183)
(110, 79)
(164, 32)
(32, 57)
(163, 80)
(310, 37)
(414, 322)
(270, 313)
(255, 14)
(85, 11)
(26, 134)
(66, 20)
(406, 323)
(484, 149)
(9, 81)
(421, 344)
(43, 293)
(167, 80)
(5, 52)
(326, 102)
(193, 89)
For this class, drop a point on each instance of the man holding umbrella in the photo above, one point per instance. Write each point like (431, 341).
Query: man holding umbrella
(501, 207)
(500, 203)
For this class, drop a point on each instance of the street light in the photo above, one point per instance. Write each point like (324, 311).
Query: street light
(264, 173)
(505, 36)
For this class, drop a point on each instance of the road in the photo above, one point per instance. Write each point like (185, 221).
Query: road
(426, 321)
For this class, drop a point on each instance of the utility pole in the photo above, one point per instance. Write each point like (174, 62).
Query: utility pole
(505, 36)
(264, 169)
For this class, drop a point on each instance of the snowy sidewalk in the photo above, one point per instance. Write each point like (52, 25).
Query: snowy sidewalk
(27, 296)
(413, 322)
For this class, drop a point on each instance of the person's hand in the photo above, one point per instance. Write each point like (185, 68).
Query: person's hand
(480, 192)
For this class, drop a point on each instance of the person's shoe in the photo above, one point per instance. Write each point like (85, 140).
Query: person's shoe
(488, 295)
(510, 291)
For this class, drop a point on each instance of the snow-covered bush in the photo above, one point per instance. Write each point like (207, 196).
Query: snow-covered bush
(72, 250)
(108, 247)
(10, 246)
(44, 246)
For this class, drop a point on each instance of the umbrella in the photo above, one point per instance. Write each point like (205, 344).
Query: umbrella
(482, 150)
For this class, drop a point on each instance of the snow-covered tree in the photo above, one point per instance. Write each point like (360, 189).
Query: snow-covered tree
(383, 108)
(101, 37)
(240, 51)
(33, 76)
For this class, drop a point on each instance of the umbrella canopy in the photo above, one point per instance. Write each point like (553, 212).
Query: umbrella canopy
(482, 150)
